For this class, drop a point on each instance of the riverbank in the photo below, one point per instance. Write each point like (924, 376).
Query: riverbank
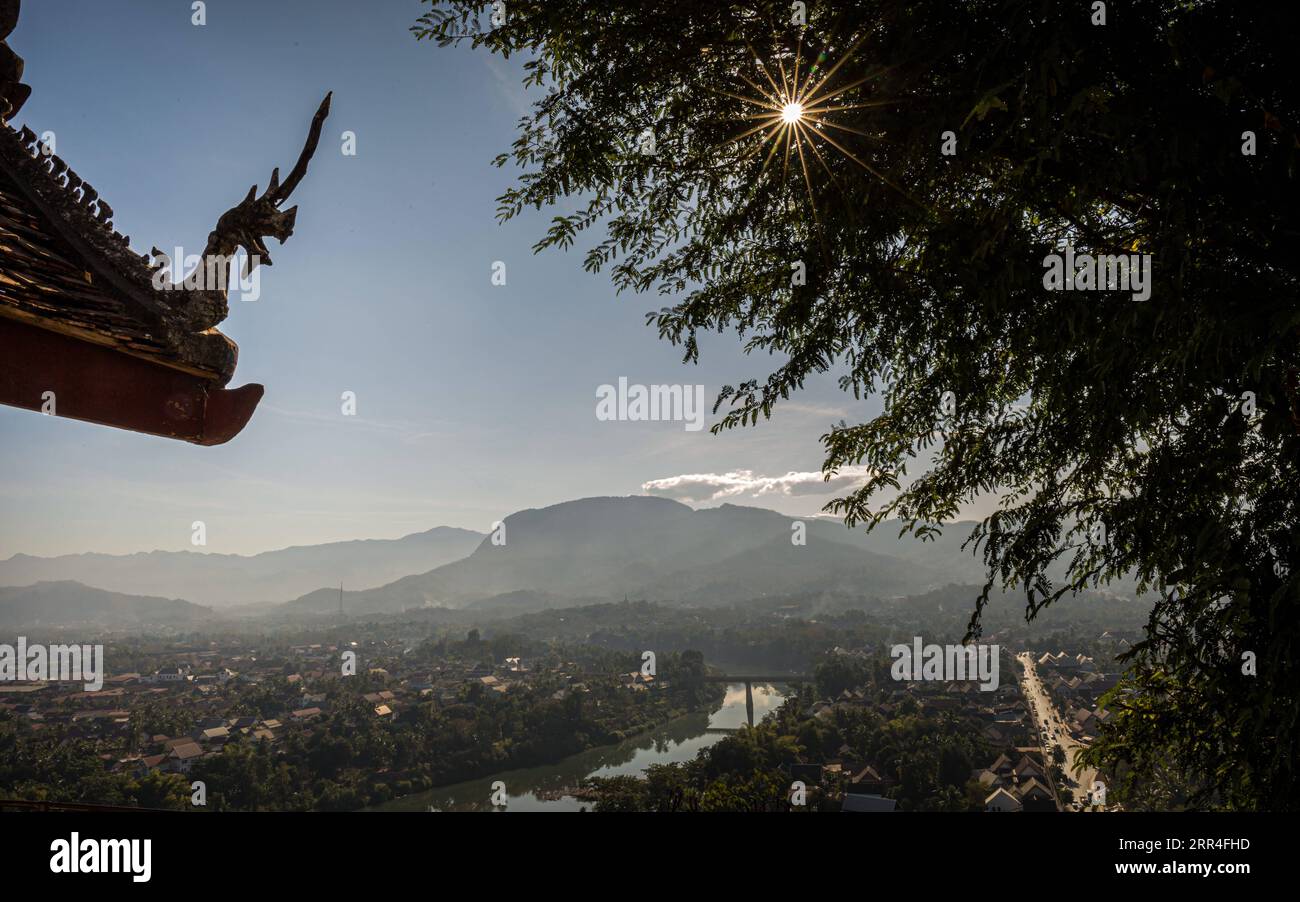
(543, 788)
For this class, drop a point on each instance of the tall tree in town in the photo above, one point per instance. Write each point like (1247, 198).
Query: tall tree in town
(915, 195)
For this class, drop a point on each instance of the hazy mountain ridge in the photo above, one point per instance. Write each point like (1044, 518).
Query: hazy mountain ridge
(578, 552)
(660, 549)
(66, 604)
(224, 580)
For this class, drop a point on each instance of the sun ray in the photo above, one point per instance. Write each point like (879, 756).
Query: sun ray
(830, 74)
(849, 154)
(785, 168)
(749, 153)
(813, 100)
(760, 103)
(776, 145)
(863, 105)
(757, 128)
(840, 147)
(762, 68)
(845, 128)
(753, 149)
(798, 111)
(812, 145)
(812, 72)
(757, 89)
(785, 81)
(794, 82)
(812, 200)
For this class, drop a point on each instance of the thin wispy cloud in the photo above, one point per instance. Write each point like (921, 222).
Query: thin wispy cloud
(508, 83)
(404, 431)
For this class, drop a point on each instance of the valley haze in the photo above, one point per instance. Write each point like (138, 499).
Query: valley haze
(578, 552)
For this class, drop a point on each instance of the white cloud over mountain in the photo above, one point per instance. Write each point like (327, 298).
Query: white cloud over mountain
(696, 487)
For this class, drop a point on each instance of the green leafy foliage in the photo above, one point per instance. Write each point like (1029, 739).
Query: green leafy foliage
(925, 276)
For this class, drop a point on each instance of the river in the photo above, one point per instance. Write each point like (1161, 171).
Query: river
(678, 740)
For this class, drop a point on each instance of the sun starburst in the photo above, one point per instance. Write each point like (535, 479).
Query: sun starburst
(792, 115)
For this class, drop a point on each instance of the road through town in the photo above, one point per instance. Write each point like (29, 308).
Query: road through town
(1042, 709)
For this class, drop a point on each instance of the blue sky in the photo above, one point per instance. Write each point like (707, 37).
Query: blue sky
(473, 400)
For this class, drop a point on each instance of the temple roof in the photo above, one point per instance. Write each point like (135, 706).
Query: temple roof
(89, 330)
(63, 267)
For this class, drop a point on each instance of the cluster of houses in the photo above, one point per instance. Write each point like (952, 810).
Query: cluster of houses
(1076, 683)
(1018, 783)
(203, 681)
(180, 753)
(1006, 723)
(1003, 711)
(1013, 783)
(448, 683)
(857, 786)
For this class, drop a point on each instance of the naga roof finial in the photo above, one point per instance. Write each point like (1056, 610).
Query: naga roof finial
(93, 322)
(250, 221)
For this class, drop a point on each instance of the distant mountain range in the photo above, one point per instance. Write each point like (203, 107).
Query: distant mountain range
(69, 604)
(579, 552)
(661, 550)
(224, 580)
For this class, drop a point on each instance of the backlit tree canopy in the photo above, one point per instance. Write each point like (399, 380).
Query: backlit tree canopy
(871, 189)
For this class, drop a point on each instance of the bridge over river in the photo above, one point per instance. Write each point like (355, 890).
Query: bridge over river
(749, 679)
